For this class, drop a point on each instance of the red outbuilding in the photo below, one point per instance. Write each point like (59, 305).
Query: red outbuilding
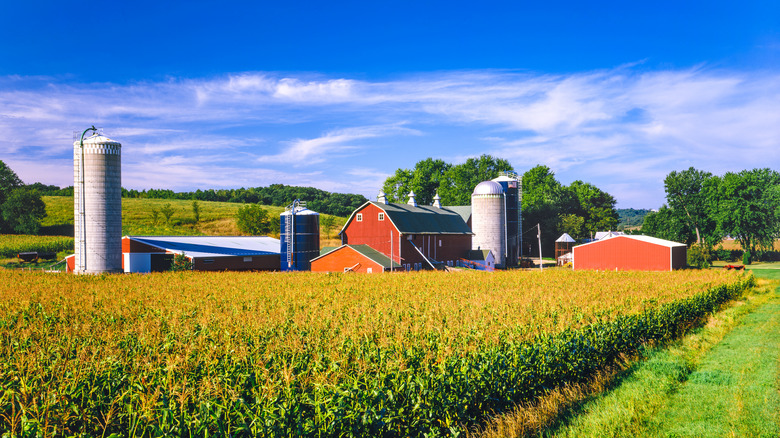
(630, 253)
(416, 237)
(353, 258)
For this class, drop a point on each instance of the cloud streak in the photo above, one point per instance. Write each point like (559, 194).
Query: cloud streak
(622, 129)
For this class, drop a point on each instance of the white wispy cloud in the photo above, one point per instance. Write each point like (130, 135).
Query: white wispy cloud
(621, 128)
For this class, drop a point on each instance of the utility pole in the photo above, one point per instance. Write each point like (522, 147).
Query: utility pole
(539, 237)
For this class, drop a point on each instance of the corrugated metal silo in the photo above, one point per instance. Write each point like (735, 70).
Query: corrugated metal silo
(97, 204)
(488, 220)
(511, 187)
(300, 237)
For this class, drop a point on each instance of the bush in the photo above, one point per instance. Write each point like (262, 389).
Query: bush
(254, 220)
(181, 263)
(746, 258)
(699, 256)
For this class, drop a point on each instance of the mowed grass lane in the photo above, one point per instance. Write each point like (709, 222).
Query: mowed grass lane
(721, 381)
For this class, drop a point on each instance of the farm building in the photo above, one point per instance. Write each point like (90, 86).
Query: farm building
(353, 258)
(207, 253)
(634, 253)
(415, 236)
(480, 259)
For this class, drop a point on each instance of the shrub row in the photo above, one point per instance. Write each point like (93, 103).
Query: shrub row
(734, 255)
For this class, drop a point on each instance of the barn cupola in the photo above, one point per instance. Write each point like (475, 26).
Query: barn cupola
(412, 201)
(437, 200)
(381, 198)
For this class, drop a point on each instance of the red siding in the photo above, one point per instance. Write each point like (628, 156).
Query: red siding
(376, 234)
(129, 245)
(345, 257)
(628, 254)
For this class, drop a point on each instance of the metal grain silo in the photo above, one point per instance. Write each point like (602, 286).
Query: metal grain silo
(97, 173)
(300, 237)
(488, 220)
(511, 187)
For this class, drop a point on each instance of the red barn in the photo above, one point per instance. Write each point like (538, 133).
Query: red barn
(630, 253)
(416, 237)
(353, 258)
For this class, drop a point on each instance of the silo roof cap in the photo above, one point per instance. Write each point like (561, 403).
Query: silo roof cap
(97, 139)
(488, 188)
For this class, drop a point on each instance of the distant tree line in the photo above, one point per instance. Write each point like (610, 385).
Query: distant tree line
(280, 195)
(631, 217)
(703, 208)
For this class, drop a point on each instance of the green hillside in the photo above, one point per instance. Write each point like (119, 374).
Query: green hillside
(216, 218)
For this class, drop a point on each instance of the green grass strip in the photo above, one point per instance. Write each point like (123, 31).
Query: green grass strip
(719, 381)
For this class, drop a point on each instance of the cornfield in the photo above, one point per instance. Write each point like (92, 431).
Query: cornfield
(302, 354)
(13, 244)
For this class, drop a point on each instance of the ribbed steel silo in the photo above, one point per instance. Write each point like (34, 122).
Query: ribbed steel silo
(488, 220)
(97, 173)
(300, 237)
(510, 185)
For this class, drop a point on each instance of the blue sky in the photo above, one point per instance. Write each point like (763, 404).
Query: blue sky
(337, 95)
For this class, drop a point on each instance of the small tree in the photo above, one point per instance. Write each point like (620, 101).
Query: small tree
(181, 263)
(167, 212)
(327, 223)
(699, 256)
(196, 211)
(155, 216)
(254, 220)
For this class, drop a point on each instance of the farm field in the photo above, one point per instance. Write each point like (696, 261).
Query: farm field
(277, 354)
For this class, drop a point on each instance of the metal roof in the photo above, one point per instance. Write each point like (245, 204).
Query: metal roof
(463, 210)
(488, 188)
(605, 234)
(369, 253)
(648, 239)
(565, 238)
(213, 246)
(422, 219)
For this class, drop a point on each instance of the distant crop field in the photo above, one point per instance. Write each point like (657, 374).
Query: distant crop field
(281, 354)
(13, 244)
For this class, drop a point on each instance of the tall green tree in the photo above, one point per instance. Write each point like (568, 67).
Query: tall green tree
(460, 180)
(595, 206)
(690, 193)
(667, 224)
(546, 203)
(749, 208)
(453, 183)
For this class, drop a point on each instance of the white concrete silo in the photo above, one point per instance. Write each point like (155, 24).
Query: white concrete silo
(97, 173)
(488, 220)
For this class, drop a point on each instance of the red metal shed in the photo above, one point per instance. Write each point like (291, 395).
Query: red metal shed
(631, 253)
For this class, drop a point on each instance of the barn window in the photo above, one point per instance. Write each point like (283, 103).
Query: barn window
(381, 216)
(247, 259)
(208, 260)
(369, 270)
(439, 243)
(359, 217)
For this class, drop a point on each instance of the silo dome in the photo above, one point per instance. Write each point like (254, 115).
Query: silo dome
(488, 188)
